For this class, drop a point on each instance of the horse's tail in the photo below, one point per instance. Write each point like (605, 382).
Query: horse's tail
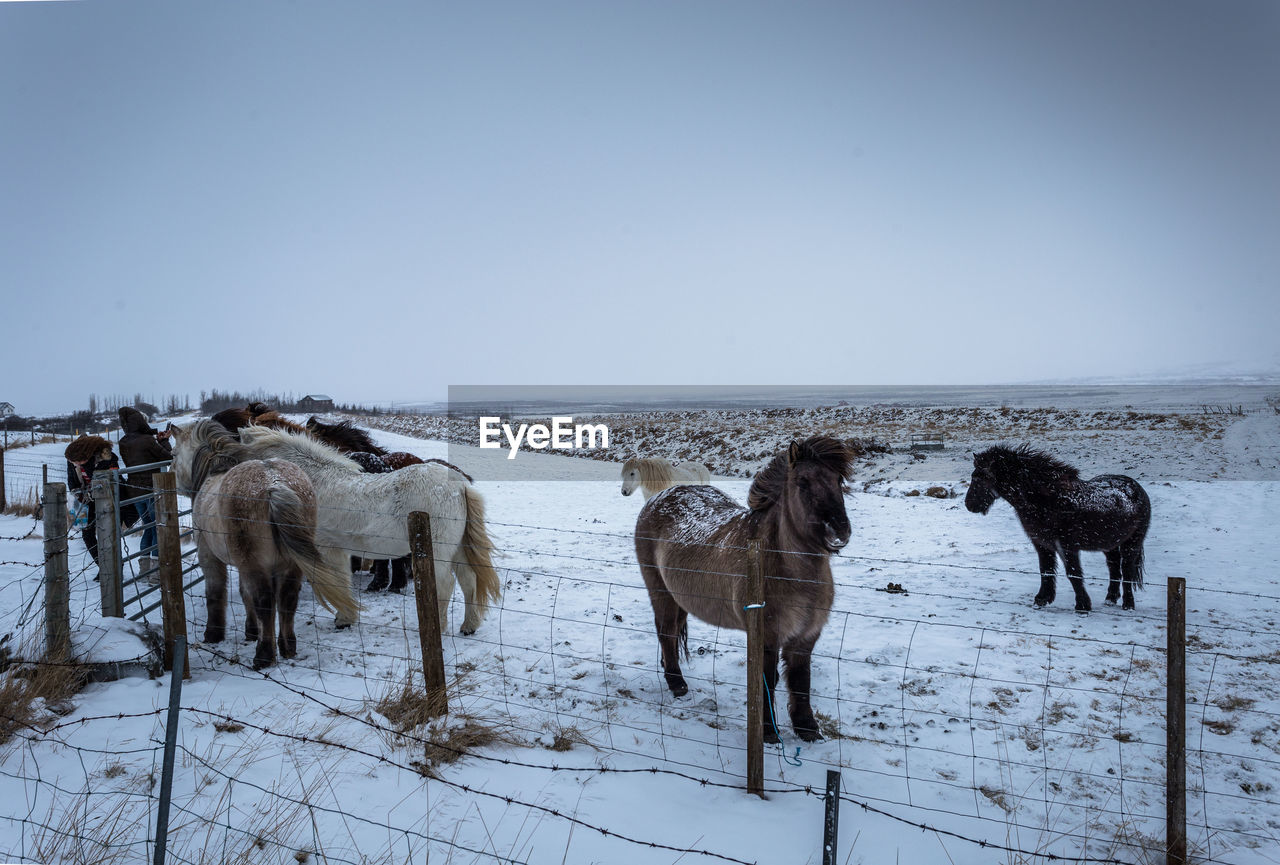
(292, 528)
(477, 551)
(1132, 561)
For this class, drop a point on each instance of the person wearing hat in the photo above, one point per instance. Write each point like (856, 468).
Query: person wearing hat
(85, 456)
(141, 445)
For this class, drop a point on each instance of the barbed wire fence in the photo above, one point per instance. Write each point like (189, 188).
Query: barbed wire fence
(1041, 745)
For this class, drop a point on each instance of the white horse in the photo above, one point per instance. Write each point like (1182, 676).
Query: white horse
(367, 514)
(655, 474)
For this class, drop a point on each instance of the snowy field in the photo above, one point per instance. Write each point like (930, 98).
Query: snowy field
(956, 704)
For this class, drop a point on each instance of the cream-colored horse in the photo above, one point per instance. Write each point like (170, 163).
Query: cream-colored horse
(655, 474)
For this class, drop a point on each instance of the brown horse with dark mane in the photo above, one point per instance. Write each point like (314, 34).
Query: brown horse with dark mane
(1063, 515)
(360, 446)
(691, 542)
(236, 419)
(233, 419)
(343, 435)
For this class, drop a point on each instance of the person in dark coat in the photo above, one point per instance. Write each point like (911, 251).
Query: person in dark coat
(141, 445)
(86, 455)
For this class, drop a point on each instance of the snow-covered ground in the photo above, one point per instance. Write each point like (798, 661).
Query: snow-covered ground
(957, 704)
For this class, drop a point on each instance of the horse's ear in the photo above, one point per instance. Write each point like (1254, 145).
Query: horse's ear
(793, 452)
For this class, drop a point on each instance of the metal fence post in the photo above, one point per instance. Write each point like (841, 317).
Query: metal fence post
(169, 553)
(170, 745)
(424, 590)
(106, 497)
(831, 818)
(1176, 726)
(57, 612)
(755, 669)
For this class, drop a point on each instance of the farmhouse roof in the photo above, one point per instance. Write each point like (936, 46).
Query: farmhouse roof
(317, 396)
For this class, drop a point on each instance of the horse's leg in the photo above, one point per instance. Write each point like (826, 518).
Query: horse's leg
(466, 577)
(355, 564)
(797, 656)
(670, 621)
(380, 576)
(287, 607)
(768, 716)
(1048, 574)
(399, 574)
(250, 617)
(1071, 564)
(1131, 567)
(1113, 568)
(259, 592)
(215, 595)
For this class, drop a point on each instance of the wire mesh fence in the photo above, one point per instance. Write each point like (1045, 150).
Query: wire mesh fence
(1031, 742)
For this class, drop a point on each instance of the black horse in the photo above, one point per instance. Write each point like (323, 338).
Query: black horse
(1063, 515)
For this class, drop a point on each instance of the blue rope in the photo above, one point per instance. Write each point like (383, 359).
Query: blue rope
(791, 761)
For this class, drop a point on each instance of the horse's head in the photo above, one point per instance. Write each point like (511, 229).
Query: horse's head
(630, 477)
(808, 481)
(982, 485)
(199, 450)
(183, 452)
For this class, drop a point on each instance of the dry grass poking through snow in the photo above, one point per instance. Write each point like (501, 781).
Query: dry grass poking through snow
(448, 738)
(35, 694)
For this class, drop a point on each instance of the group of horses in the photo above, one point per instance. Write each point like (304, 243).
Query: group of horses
(279, 500)
(691, 542)
(279, 503)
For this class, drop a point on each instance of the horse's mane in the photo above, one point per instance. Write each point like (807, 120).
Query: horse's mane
(257, 439)
(451, 467)
(344, 435)
(769, 484)
(275, 420)
(655, 473)
(215, 451)
(1036, 465)
(235, 418)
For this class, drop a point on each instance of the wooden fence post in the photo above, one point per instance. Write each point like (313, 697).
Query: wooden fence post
(106, 496)
(424, 590)
(1176, 726)
(755, 669)
(169, 552)
(57, 612)
(4, 497)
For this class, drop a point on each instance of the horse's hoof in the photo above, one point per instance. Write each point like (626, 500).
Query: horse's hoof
(808, 732)
(1041, 602)
(1112, 601)
(466, 632)
(211, 636)
(678, 689)
(770, 737)
(1128, 605)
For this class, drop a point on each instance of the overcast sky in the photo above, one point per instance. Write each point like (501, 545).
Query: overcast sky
(378, 200)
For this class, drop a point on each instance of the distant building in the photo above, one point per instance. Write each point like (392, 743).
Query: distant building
(6, 409)
(315, 402)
